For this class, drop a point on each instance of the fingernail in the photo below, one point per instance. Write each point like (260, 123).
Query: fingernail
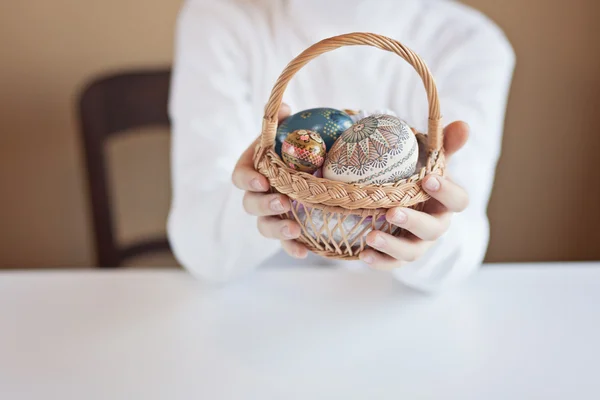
(399, 217)
(256, 185)
(286, 232)
(377, 241)
(368, 259)
(298, 254)
(276, 205)
(432, 184)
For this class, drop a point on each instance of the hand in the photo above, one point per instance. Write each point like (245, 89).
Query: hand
(425, 227)
(265, 205)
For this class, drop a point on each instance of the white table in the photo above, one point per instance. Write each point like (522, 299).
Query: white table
(512, 332)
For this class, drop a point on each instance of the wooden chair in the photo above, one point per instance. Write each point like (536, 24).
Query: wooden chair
(108, 106)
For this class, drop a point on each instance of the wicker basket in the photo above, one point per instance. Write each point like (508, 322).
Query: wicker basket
(335, 216)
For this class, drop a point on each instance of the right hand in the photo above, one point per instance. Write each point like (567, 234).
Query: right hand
(267, 206)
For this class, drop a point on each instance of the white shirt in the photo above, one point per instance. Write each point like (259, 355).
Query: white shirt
(229, 54)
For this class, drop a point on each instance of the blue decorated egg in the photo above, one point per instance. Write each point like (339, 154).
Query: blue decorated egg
(327, 122)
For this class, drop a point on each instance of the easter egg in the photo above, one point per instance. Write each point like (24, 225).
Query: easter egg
(377, 149)
(303, 150)
(328, 122)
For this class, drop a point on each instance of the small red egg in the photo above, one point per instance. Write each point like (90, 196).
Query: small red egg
(303, 150)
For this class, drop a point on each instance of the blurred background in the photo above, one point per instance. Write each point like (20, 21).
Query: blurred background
(546, 201)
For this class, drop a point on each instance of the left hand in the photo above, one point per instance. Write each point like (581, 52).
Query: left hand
(425, 227)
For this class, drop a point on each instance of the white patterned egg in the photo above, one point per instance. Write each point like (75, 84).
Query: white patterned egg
(377, 149)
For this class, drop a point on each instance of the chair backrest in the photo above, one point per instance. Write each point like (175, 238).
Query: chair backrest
(109, 106)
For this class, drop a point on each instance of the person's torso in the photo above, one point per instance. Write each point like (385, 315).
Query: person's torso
(356, 77)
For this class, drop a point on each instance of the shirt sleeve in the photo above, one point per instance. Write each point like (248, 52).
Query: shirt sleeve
(213, 121)
(473, 85)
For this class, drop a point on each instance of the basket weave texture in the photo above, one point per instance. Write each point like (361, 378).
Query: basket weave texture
(336, 216)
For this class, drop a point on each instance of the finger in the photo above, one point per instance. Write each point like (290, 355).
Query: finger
(277, 228)
(248, 179)
(402, 249)
(455, 136)
(448, 193)
(432, 206)
(245, 177)
(261, 205)
(379, 261)
(284, 112)
(294, 249)
(422, 225)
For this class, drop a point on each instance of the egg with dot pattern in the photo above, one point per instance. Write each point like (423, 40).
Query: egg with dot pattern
(327, 122)
(303, 151)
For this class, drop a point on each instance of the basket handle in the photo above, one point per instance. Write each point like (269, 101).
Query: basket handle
(269, 127)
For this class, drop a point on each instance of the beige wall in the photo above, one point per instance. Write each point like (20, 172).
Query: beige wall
(48, 49)
(546, 201)
(545, 204)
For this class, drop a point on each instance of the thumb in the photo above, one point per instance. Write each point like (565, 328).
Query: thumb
(455, 137)
(284, 112)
